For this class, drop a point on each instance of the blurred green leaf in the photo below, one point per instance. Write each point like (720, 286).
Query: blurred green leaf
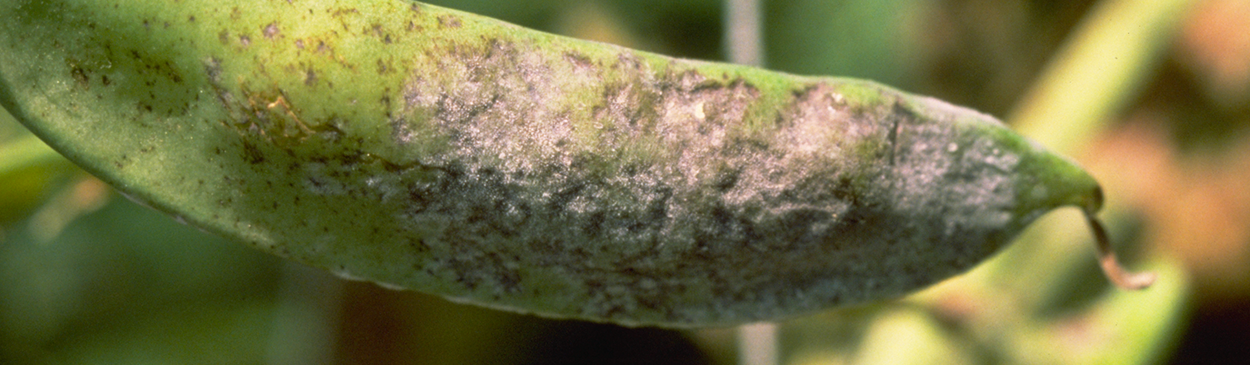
(127, 278)
(30, 171)
(864, 39)
(1100, 69)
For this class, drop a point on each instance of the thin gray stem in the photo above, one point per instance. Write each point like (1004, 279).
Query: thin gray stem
(757, 343)
(743, 35)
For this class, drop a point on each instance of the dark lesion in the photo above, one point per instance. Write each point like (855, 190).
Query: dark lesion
(898, 118)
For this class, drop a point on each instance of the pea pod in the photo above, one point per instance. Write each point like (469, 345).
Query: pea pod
(430, 149)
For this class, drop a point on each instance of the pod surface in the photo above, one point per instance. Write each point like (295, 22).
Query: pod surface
(440, 151)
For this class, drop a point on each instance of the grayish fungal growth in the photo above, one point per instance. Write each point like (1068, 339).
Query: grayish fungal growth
(435, 150)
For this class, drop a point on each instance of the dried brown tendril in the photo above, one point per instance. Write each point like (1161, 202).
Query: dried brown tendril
(1111, 266)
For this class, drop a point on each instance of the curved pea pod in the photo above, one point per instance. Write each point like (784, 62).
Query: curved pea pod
(430, 149)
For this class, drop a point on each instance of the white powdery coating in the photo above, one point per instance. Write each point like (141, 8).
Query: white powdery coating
(652, 203)
(971, 181)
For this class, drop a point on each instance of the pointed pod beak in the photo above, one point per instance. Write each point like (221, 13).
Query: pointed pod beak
(1004, 172)
(998, 168)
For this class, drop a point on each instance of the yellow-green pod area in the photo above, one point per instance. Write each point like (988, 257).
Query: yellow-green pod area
(444, 152)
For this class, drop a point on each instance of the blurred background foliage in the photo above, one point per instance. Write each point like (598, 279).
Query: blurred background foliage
(87, 276)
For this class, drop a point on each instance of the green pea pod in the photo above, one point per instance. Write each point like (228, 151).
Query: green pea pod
(430, 149)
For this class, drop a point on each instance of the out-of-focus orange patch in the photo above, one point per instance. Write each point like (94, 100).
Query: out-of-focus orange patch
(590, 20)
(83, 196)
(1214, 44)
(1197, 206)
